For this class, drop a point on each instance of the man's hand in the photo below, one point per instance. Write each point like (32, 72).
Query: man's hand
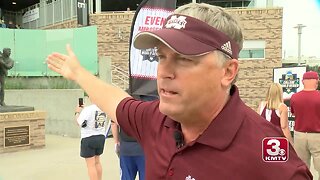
(78, 109)
(66, 65)
(77, 112)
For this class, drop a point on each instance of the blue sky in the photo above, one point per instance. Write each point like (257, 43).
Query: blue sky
(306, 12)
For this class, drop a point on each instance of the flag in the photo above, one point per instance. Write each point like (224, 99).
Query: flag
(150, 15)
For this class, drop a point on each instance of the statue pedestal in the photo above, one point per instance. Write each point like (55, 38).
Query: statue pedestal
(15, 108)
(21, 130)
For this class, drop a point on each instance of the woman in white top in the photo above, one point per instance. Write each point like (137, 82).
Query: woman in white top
(92, 122)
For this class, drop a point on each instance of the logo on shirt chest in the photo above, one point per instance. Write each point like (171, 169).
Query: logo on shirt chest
(190, 178)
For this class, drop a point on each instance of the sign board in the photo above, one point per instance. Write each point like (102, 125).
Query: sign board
(290, 79)
(16, 136)
(30, 15)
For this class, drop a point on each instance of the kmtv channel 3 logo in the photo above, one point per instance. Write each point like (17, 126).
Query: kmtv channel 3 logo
(275, 149)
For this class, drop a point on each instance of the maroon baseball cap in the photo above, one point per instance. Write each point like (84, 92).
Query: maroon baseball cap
(188, 36)
(310, 75)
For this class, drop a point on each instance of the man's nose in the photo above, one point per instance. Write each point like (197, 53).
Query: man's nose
(166, 69)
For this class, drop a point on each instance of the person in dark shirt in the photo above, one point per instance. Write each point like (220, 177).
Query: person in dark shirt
(2, 24)
(199, 128)
(11, 25)
(129, 151)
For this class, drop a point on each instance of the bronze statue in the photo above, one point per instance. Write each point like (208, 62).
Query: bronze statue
(6, 63)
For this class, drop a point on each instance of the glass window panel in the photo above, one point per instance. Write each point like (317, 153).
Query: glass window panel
(29, 48)
(251, 54)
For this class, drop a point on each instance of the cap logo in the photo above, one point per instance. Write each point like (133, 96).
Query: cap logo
(227, 47)
(176, 22)
(189, 36)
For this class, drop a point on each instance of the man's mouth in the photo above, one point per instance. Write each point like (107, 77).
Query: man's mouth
(167, 92)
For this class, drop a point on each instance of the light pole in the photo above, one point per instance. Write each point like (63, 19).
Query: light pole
(299, 27)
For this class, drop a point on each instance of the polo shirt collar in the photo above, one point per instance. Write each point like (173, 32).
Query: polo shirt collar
(169, 123)
(223, 129)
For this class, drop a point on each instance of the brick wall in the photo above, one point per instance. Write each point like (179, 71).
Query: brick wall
(256, 75)
(258, 24)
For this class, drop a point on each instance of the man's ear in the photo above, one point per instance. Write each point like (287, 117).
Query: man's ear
(231, 68)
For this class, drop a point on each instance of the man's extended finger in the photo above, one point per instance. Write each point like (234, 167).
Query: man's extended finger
(69, 50)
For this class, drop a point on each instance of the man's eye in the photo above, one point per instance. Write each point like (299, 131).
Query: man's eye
(184, 59)
(160, 57)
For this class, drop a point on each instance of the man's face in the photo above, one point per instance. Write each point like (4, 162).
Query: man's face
(189, 86)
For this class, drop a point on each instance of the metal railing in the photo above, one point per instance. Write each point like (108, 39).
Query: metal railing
(51, 12)
(120, 77)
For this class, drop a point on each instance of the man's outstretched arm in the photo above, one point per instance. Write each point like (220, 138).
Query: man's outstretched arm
(105, 96)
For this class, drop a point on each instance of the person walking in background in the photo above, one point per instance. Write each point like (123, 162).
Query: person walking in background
(92, 122)
(275, 111)
(2, 24)
(11, 25)
(305, 105)
(130, 152)
(199, 128)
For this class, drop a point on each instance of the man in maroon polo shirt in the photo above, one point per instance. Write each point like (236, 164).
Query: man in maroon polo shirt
(199, 129)
(305, 105)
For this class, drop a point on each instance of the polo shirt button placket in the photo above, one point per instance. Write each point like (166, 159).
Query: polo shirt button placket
(170, 172)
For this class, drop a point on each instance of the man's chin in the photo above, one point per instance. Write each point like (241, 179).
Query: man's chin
(165, 108)
(168, 110)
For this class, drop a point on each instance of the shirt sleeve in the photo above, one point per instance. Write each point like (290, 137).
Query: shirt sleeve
(82, 116)
(134, 116)
(291, 105)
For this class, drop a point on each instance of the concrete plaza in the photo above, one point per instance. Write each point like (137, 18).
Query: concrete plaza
(59, 160)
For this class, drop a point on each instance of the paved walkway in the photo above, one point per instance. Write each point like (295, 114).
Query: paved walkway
(59, 160)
